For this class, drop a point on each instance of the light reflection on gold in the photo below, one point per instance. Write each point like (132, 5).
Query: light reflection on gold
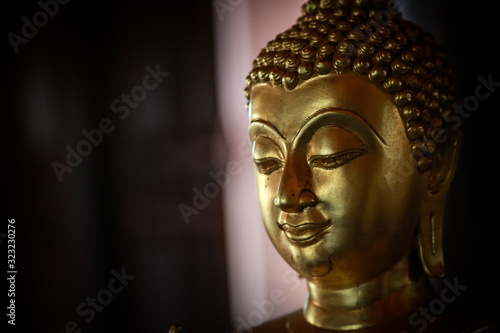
(323, 157)
(353, 162)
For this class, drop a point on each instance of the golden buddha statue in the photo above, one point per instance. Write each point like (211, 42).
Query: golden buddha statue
(354, 159)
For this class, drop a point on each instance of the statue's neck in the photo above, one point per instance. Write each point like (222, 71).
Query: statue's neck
(389, 296)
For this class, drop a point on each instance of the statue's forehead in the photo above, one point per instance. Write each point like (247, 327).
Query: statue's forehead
(288, 110)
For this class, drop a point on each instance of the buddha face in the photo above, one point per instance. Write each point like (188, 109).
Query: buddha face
(326, 158)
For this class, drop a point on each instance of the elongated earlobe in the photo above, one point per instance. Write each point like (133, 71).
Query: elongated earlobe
(430, 235)
(430, 240)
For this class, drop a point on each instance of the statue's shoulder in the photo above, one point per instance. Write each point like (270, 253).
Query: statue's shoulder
(454, 320)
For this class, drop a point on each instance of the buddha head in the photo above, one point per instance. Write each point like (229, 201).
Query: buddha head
(353, 158)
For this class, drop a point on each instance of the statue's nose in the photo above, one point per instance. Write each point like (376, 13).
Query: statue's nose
(295, 194)
(295, 203)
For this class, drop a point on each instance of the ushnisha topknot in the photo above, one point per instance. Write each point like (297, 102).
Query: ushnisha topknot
(367, 37)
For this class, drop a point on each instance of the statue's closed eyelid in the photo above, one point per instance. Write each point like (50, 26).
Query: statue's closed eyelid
(330, 141)
(336, 160)
(265, 147)
(267, 155)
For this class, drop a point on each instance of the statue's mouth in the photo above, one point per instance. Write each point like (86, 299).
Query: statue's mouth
(304, 233)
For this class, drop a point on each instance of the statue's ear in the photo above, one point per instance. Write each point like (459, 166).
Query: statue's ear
(444, 163)
(430, 236)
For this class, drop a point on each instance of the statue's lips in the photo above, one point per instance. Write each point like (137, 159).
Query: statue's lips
(304, 232)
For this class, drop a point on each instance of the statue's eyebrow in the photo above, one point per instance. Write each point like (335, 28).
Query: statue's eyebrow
(269, 124)
(340, 110)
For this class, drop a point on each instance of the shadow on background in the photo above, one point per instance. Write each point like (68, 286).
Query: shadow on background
(103, 246)
(110, 207)
(471, 232)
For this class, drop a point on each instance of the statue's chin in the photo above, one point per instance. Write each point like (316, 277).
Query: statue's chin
(314, 268)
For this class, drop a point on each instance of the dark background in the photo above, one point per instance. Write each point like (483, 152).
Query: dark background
(119, 207)
(467, 31)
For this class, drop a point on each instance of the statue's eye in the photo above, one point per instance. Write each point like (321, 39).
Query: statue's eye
(335, 160)
(268, 165)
